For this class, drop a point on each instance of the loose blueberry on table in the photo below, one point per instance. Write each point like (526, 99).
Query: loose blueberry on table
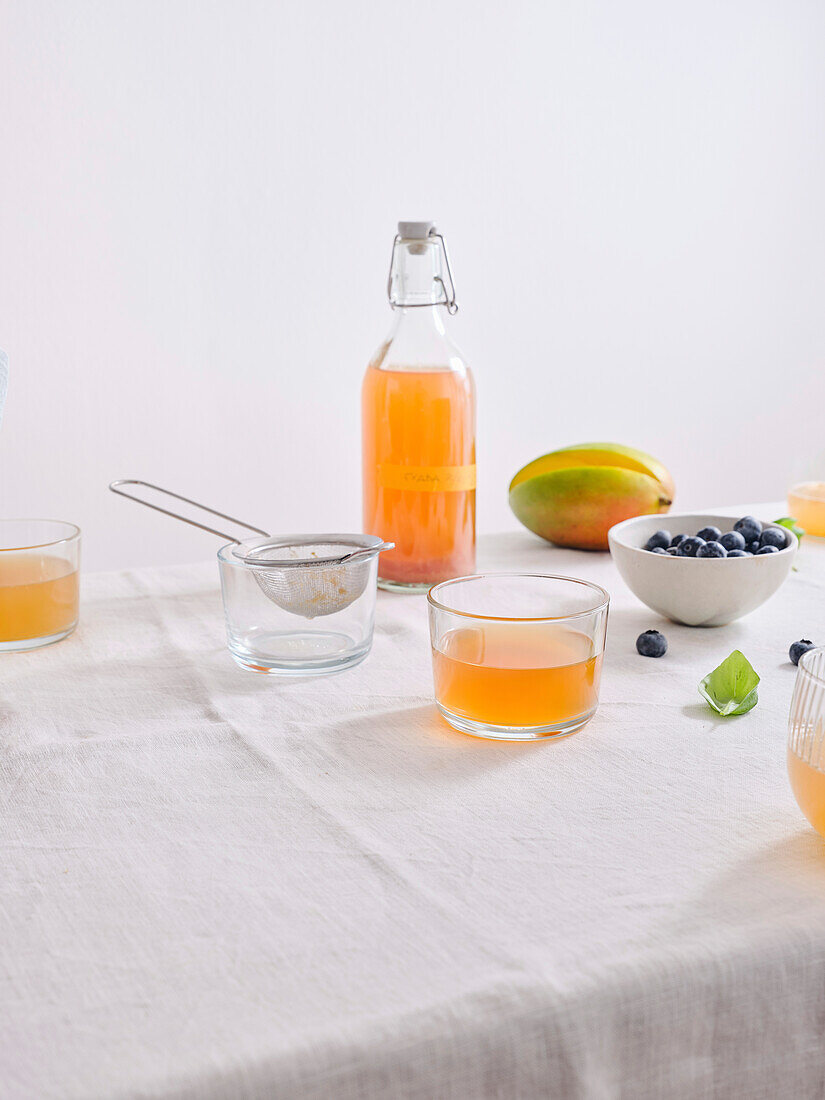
(651, 644)
(798, 648)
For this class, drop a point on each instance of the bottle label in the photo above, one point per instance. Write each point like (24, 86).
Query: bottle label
(427, 479)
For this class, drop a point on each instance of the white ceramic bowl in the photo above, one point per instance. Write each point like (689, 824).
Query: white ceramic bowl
(696, 591)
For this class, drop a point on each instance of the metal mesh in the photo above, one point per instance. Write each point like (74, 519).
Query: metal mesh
(310, 586)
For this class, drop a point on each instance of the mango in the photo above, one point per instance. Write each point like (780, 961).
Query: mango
(573, 496)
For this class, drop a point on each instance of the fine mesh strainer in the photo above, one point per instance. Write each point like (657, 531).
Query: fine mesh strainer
(307, 575)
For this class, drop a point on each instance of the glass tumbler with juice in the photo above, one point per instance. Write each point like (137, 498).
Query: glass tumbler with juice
(806, 503)
(517, 656)
(39, 562)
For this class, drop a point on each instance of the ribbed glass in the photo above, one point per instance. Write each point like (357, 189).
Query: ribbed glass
(806, 738)
(806, 728)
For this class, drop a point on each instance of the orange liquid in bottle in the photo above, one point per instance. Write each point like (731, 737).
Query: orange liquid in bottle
(517, 674)
(808, 785)
(38, 596)
(419, 472)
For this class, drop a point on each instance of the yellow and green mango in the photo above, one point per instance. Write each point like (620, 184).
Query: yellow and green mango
(573, 496)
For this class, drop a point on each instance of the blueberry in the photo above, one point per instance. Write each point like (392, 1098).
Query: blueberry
(752, 547)
(739, 554)
(733, 540)
(748, 527)
(677, 539)
(767, 550)
(712, 549)
(673, 551)
(659, 539)
(709, 534)
(689, 546)
(772, 537)
(657, 550)
(795, 652)
(651, 644)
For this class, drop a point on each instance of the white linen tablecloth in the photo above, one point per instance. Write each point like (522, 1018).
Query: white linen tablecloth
(219, 885)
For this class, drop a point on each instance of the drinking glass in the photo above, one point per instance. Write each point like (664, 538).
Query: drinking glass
(806, 738)
(265, 634)
(39, 561)
(806, 503)
(517, 656)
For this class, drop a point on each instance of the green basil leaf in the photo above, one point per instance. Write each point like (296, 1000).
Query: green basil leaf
(731, 688)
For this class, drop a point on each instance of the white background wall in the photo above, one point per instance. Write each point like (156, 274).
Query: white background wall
(197, 201)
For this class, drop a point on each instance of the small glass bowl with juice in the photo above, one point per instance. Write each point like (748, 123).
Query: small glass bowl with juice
(517, 656)
(39, 560)
(806, 503)
(806, 738)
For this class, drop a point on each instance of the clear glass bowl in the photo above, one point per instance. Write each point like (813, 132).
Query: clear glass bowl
(806, 738)
(39, 587)
(517, 656)
(262, 603)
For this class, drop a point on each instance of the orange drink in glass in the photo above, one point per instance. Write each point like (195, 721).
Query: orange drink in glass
(517, 656)
(806, 503)
(39, 562)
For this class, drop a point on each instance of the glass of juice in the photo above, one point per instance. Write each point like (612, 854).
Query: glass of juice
(517, 656)
(806, 503)
(39, 561)
(806, 738)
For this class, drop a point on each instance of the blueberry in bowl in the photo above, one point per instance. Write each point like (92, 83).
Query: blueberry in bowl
(712, 549)
(773, 536)
(733, 540)
(690, 547)
(748, 527)
(659, 540)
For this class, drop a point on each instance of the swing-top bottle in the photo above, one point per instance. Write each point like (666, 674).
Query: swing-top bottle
(418, 424)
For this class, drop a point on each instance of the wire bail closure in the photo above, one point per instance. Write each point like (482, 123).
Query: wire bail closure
(448, 300)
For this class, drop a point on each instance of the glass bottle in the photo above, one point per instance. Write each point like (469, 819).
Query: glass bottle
(418, 425)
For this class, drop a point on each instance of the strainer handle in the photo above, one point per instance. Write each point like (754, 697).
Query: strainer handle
(116, 487)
